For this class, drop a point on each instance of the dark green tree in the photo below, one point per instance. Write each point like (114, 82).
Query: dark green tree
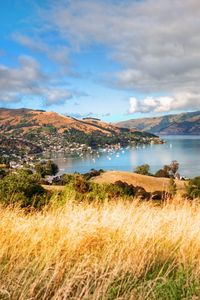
(143, 169)
(51, 168)
(46, 168)
(162, 173)
(193, 188)
(21, 186)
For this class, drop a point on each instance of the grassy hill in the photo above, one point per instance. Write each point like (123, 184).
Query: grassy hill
(29, 119)
(26, 131)
(149, 183)
(27, 123)
(184, 123)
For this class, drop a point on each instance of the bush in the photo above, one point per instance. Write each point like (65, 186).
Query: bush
(143, 169)
(92, 191)
(168, 171)
(46, 168)
(21, 187)
(80, 184)
(162, 173)
(93, 173)
(2, 173)
(193, 188)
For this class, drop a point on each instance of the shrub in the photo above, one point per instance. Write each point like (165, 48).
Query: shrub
(21, 187)
(128, 189)
(143, 169)
(46, 168)
(80, 184)
(193, 188)
(2, 173)
(162, 173)
(93, 173)
(63, 179)
(168, 171)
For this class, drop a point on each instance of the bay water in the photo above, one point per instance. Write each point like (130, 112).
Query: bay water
(184, 149)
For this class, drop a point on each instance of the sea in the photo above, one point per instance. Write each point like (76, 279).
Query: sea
(184, 149)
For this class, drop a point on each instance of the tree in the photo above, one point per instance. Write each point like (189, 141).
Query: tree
(162, 173)
(174, 167)
(143, 169)
(172, 187)
(21, 186)
(51, 168)
(46, 168)
(168, 170)
(193, 188)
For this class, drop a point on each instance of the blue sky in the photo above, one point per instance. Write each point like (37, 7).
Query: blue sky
(111, 59)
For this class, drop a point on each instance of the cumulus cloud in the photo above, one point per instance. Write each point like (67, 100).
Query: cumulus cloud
(179, 101)
(27, 80)
(156, 43)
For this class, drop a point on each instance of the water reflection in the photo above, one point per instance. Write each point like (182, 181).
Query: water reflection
(184, 149)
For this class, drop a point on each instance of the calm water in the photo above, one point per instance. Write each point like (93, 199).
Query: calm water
(184, 149)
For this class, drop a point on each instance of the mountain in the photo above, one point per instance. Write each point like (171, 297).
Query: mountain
(177, 124)
(25, 120)
(28, 119)
(29, 131)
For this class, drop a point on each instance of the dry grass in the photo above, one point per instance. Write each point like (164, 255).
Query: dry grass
(149, 183)
(101, 251)
(54, 188)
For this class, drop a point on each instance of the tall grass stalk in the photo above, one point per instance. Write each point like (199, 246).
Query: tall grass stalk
(114, 250)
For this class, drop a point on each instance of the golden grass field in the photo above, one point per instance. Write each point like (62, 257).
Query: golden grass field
(114, 250)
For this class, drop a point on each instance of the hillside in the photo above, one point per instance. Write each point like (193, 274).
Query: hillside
(179, 124)
(150, 184)
(28, 119)
(26, 131)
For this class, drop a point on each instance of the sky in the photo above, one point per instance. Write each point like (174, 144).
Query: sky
(112, 59)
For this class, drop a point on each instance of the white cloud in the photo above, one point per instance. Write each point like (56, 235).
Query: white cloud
(55, 95)
(179, 101)
(27, 80)
(156, 43)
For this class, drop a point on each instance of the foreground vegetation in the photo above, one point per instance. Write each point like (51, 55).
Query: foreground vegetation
(114, 250)
(97, 241)
(26, 189)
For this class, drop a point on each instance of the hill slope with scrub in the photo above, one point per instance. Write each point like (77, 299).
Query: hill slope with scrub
(178, 124)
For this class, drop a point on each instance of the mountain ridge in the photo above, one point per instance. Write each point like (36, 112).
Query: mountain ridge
(26, 119)
(29, 131)
(174, 124)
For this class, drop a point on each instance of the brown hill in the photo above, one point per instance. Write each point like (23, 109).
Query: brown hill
(182, 124)
(27, 119)
(149, 183)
